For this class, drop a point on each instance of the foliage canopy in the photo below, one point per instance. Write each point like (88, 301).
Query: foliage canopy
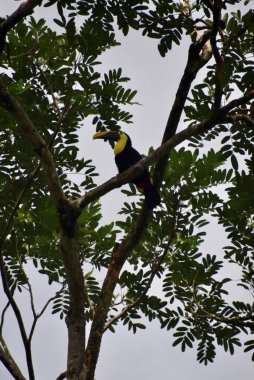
(50, 82)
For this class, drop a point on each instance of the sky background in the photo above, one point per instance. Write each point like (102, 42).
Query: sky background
(148, 355)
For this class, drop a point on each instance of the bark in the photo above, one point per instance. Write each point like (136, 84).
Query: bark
(76, 318)
(199, 54)
(10, 364)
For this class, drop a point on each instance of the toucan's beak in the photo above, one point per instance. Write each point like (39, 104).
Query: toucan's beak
(107, 135)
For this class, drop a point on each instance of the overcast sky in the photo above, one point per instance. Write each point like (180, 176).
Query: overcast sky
(148, 355)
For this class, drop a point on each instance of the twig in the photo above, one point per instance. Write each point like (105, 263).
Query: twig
(38, 315)
(62, 376)
(245, 118)
(247, 321)
(2, 317)
(55, 104)
(142, 294)
(19, 318)
(5, 356)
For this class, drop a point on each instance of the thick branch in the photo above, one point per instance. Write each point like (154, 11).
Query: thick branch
(199, 54)
(25, 9)
(10, 364)
(117, 261)
(241, 117)
(29, 180)
(76, 318)
(9, 103)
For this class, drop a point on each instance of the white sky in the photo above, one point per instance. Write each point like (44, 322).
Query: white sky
(148, 355)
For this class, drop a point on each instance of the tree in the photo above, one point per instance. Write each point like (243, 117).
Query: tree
(45, 94)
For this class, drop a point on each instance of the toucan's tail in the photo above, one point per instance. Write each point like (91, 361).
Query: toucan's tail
(152, 197)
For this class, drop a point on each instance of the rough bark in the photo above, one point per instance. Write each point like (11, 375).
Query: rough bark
(76, 318)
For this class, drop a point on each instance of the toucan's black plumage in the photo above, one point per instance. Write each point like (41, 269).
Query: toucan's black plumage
(125, 157)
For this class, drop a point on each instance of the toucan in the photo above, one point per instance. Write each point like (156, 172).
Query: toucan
(125, 157)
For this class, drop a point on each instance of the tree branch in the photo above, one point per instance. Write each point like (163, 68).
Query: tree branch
(234, 321)
(199, 54)
(62, 376)
(7, 226)
(2, 317)
(75, 319)
(154, 270)
(19, 319)
(29, 180)
(247, 321)
(38, 315)
(9, 363)
(118, 259)
(26, 8)
(218, 58)
(9, 103)
(241, 117)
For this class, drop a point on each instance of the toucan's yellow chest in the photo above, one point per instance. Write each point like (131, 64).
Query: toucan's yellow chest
(121, 143)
